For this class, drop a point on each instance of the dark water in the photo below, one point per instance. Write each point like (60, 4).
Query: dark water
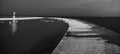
(111, 23)
(31, 37)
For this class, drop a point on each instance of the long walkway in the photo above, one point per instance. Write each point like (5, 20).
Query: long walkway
(87, 38)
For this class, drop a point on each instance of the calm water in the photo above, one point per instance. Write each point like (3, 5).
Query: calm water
(30, 36)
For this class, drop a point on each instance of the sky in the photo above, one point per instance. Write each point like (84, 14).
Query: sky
(60, 7)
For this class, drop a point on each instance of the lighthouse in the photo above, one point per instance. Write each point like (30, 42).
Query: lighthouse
(14, 25)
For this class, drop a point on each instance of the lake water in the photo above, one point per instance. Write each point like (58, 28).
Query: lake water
(34, 36)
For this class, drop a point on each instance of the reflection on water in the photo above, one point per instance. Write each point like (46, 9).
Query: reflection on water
(14, 26)
(31, 36)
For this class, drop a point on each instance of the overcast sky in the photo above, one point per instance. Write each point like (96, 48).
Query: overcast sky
(61, 7)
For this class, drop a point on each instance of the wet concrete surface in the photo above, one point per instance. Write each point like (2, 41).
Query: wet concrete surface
(105, 41)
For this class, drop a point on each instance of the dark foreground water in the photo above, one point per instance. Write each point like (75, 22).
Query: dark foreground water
(30, 36)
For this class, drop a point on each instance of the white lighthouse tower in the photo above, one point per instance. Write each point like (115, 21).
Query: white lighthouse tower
(14, 24)
(14, 14)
